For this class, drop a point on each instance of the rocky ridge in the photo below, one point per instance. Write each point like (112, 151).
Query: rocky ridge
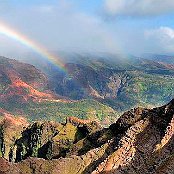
(140, 141)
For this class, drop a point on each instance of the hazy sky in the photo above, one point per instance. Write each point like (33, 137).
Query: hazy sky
(124, 26)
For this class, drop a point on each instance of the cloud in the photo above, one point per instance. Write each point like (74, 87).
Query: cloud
(162, 39)
(162, 33)
(59, 26)
(138, 7)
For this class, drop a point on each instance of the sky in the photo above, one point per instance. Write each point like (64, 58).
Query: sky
(113, 26)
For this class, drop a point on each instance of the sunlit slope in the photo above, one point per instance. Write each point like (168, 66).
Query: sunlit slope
(58, 111)
(24, 90)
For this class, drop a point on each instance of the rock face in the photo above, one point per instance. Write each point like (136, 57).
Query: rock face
(140, 141)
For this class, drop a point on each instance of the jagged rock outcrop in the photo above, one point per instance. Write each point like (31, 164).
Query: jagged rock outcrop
(140, 141)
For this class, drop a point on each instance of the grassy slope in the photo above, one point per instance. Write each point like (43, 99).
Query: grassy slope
(57, 111)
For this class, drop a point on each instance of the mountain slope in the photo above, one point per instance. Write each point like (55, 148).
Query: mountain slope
(140, 141)
(19, 79)
(24, 90)
(120, 82)
(168, 59)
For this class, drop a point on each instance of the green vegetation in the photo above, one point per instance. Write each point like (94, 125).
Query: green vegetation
(123, 82)
(118, 83)
(58, 111)
(145, 90)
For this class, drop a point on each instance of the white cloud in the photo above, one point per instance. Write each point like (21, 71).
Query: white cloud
(161, 33)
(161, 38)
(60, 26)
(138, 7)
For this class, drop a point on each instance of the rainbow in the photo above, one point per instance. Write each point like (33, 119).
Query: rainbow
(7, 31)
